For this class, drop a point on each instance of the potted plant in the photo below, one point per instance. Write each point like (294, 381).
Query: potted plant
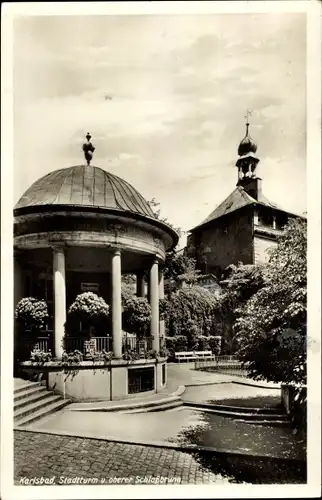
(92, 312)
(31, 314)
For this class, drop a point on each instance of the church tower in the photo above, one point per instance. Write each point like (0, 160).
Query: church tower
(247, 164)
(244, 225)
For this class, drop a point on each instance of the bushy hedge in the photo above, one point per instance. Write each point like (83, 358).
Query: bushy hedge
(180, 343)
(192, 312)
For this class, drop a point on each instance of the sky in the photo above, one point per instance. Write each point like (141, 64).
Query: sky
(164, 98)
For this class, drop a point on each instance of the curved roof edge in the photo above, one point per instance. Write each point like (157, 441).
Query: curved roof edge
(38, 209)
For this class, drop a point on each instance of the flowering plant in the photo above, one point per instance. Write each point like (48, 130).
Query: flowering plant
(91, 310)
(129, 355)
(38, 356)
(31, 313)
(74, 357)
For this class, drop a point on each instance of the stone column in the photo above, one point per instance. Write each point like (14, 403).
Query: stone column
(274, 222)
(154, 302)
(59, 300)
(161, 296)
(116, 304)
(18, 280)
(140, 285)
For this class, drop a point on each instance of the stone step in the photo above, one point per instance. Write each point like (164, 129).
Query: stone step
(29, 386)
(42, 412)
(129, 405)
(30, 393)
(34, 407)
(241, 409)
(160, 407)
(271, 423)
(250, 417)
(28, 399)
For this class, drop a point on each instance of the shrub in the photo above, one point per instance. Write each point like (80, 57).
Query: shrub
(192, 312)
(215, 344)
(31, 314)
(202, 343)
(136, 315)
(170, 344)
(39, 356)
(90, 309)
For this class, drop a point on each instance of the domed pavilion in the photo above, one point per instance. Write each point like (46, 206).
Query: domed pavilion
(79, 229)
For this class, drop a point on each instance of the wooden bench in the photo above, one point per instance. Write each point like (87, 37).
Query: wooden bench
(193, 355)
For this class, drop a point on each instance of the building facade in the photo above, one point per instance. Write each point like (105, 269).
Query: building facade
(78, 229)
(243, 226)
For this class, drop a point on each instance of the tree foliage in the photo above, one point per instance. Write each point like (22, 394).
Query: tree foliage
(91, 310)
(191, 312)
(136, 315)
(271, 325)
(239, 282)
(31, 314)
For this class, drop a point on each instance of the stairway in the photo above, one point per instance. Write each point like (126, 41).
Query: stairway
(32, 401)
(161, 405)
(259, 416)
(141, 405)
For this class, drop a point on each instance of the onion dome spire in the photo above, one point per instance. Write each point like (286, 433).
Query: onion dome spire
(88, 149)
(247, 161)
(247, 145)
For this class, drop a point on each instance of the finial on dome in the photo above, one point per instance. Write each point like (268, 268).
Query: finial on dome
(88, 149)
(248, 114)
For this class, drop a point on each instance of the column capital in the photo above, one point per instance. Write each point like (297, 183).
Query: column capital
(59, 247)
(116, 251)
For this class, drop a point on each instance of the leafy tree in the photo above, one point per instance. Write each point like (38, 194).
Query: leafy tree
(91, 310)
(192, 312)
(179, 267)
(136, 315)
(239, 282)
(271, 325)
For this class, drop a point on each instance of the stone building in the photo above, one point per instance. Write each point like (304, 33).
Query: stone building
(243, 226)
(78, 229)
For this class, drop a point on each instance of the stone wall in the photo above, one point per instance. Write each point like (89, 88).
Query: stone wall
(226, 241)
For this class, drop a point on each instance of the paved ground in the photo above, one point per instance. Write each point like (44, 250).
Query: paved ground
(39, 454)
(185, 374)
(42, 455)
(229, 391)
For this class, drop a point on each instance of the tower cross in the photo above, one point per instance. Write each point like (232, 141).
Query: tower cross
(248, 114)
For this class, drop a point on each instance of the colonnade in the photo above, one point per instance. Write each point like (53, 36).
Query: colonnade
(155, 287)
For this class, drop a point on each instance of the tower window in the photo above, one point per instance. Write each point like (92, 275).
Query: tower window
(265, 219)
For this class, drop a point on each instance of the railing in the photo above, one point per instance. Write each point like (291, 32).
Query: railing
(140, 346)
(230, 365)
(43, 344)
(77, 343)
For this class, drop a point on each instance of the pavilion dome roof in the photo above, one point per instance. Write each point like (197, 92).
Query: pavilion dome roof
(85, 186)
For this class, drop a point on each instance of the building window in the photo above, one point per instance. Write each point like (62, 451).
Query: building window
(281, 222)
(140, 380)
(265, 219)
